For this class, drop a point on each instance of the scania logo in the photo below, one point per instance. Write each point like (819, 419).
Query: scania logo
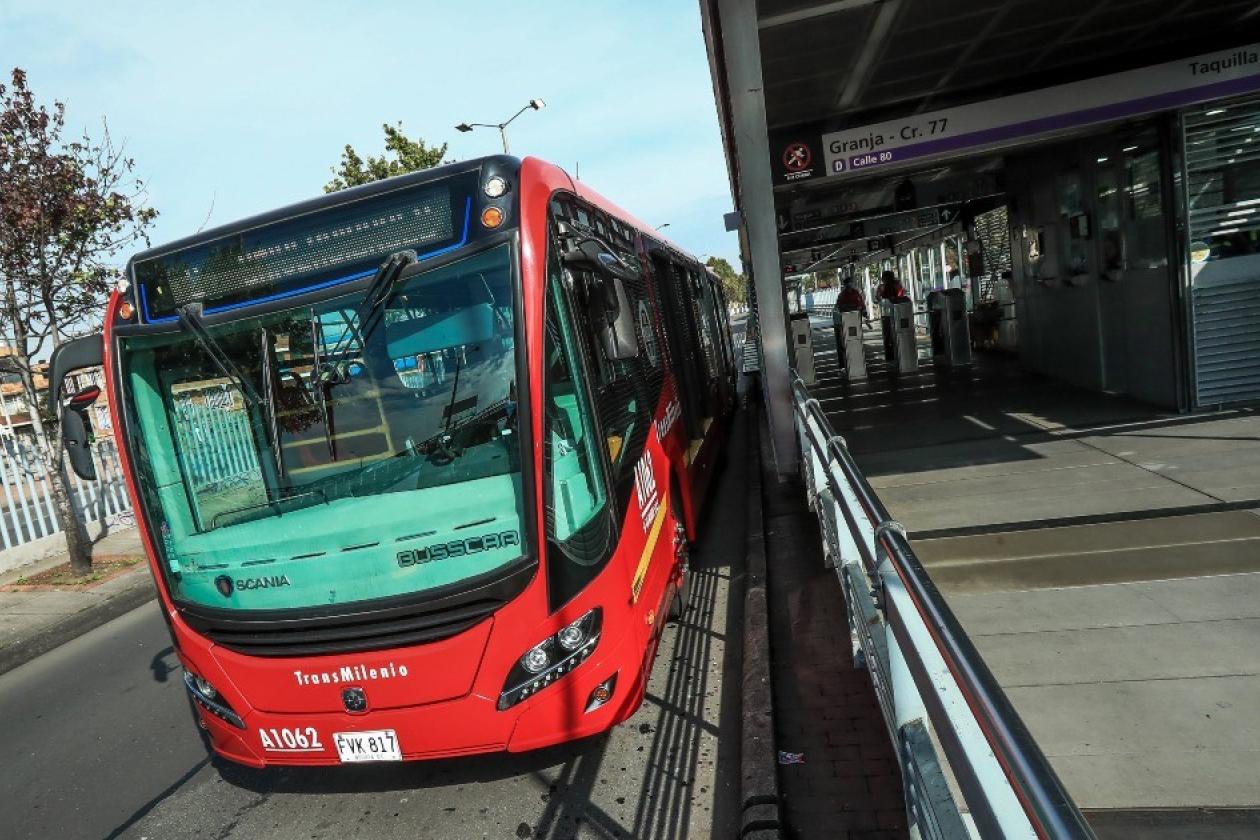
(226, 585)
(262, 582)
(354, 699)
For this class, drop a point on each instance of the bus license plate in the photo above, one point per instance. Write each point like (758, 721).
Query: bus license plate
(374, 745)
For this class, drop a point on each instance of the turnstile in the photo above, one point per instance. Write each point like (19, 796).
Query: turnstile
(849, 353)
(897, 322)
(802, 347)
(947, 323)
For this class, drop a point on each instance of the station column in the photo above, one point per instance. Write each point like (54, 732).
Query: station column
(741, 52)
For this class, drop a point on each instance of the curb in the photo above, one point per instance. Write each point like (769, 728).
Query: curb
(76, 624)
(761, 817)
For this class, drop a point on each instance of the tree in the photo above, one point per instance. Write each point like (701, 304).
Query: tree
(402, 155)
(734, 284)
(67, 208)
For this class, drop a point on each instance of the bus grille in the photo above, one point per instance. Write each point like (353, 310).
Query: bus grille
(351, 628)
(351, 637)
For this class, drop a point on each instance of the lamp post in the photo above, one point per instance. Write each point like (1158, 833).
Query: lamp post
(662, 227)
(534, 104)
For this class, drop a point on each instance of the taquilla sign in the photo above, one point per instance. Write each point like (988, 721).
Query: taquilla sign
(1011, 120)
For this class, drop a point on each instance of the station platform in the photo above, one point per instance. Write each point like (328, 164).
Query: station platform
(1103, 555)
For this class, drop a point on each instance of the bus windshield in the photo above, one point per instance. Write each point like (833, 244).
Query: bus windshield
(341, 461)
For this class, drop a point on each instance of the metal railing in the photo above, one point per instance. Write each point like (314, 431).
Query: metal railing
(26, 506)
(215, 444)
(969, 765)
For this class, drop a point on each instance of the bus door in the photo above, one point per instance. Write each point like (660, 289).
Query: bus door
(725, 343)
(706, 303)
(625, 394)
(684, 344)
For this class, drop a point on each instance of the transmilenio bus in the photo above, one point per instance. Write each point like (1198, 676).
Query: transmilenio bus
(415, 463)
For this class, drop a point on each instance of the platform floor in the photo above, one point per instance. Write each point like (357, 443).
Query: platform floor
(991, 445)
(1104, 555)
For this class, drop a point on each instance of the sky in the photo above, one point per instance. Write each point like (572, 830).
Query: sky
(231, 109)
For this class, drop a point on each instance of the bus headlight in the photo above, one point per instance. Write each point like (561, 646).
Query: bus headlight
(207, 697)
(552, 658)
(538, 658)
(204, 688)
(495, 186)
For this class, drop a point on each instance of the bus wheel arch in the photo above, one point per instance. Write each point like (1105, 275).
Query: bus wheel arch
(682, 593)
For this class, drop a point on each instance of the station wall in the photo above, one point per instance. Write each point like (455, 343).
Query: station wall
(1093, 267)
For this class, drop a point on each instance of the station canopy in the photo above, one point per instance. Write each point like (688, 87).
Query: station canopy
(831, 66)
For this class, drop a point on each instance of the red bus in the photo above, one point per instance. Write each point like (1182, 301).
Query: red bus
(415, 463)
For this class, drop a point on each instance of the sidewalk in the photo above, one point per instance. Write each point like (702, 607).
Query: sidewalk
(34, 619)
(849, 784)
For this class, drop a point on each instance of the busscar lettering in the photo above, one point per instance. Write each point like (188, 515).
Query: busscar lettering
(457, 548)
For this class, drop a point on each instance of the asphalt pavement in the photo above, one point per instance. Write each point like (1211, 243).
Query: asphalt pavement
(97, 740)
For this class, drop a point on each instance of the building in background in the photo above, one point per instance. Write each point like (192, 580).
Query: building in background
(15, 410)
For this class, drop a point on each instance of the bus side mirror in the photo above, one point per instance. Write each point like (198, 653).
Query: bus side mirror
(617, 335)
(76, 437)
(613, 316)
(76, 429)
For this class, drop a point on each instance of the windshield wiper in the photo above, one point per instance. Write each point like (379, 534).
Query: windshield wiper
(190, 319)
(335, 369)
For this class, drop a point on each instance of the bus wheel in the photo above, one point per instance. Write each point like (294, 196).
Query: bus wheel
(682, 595)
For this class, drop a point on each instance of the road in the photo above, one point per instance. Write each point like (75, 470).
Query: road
(97, 741)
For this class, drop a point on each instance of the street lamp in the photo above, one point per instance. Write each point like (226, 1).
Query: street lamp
(535, 104)
(662, 227)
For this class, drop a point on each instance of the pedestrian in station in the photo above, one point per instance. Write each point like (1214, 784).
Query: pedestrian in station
(890, 288)
(851, 299)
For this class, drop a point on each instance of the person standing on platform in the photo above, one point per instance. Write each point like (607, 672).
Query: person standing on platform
(851, 299)
(890, 288)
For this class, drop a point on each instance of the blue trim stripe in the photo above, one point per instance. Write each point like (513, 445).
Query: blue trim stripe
(144, 302)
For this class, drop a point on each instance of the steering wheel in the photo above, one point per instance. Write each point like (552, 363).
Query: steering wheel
(445, 450)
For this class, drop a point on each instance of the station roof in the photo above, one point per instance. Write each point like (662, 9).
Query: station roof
(832, 65)
(857, 61)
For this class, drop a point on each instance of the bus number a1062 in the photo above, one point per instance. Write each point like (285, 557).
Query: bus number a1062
(286, 739)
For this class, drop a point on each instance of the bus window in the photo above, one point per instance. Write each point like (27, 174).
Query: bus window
(579, 530)
(684, 352)
(626, 390)
(576, 489)
(706, 320)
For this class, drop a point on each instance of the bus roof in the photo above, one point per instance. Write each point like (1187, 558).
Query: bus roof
(322, 202)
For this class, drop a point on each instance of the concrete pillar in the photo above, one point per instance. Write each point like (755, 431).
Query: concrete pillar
(741, 51)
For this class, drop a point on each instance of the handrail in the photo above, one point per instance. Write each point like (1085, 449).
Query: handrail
(1051, 812)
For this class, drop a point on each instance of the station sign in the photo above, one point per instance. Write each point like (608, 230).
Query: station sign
(871, 199)
(1012, 120)
(874, 233)
(797, 158)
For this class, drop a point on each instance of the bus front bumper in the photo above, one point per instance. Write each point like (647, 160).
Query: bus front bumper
(465, 726)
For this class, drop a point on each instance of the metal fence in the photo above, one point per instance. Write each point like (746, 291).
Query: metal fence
(26, 494)
(215, 443)
(969, 765)
(215, 447)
